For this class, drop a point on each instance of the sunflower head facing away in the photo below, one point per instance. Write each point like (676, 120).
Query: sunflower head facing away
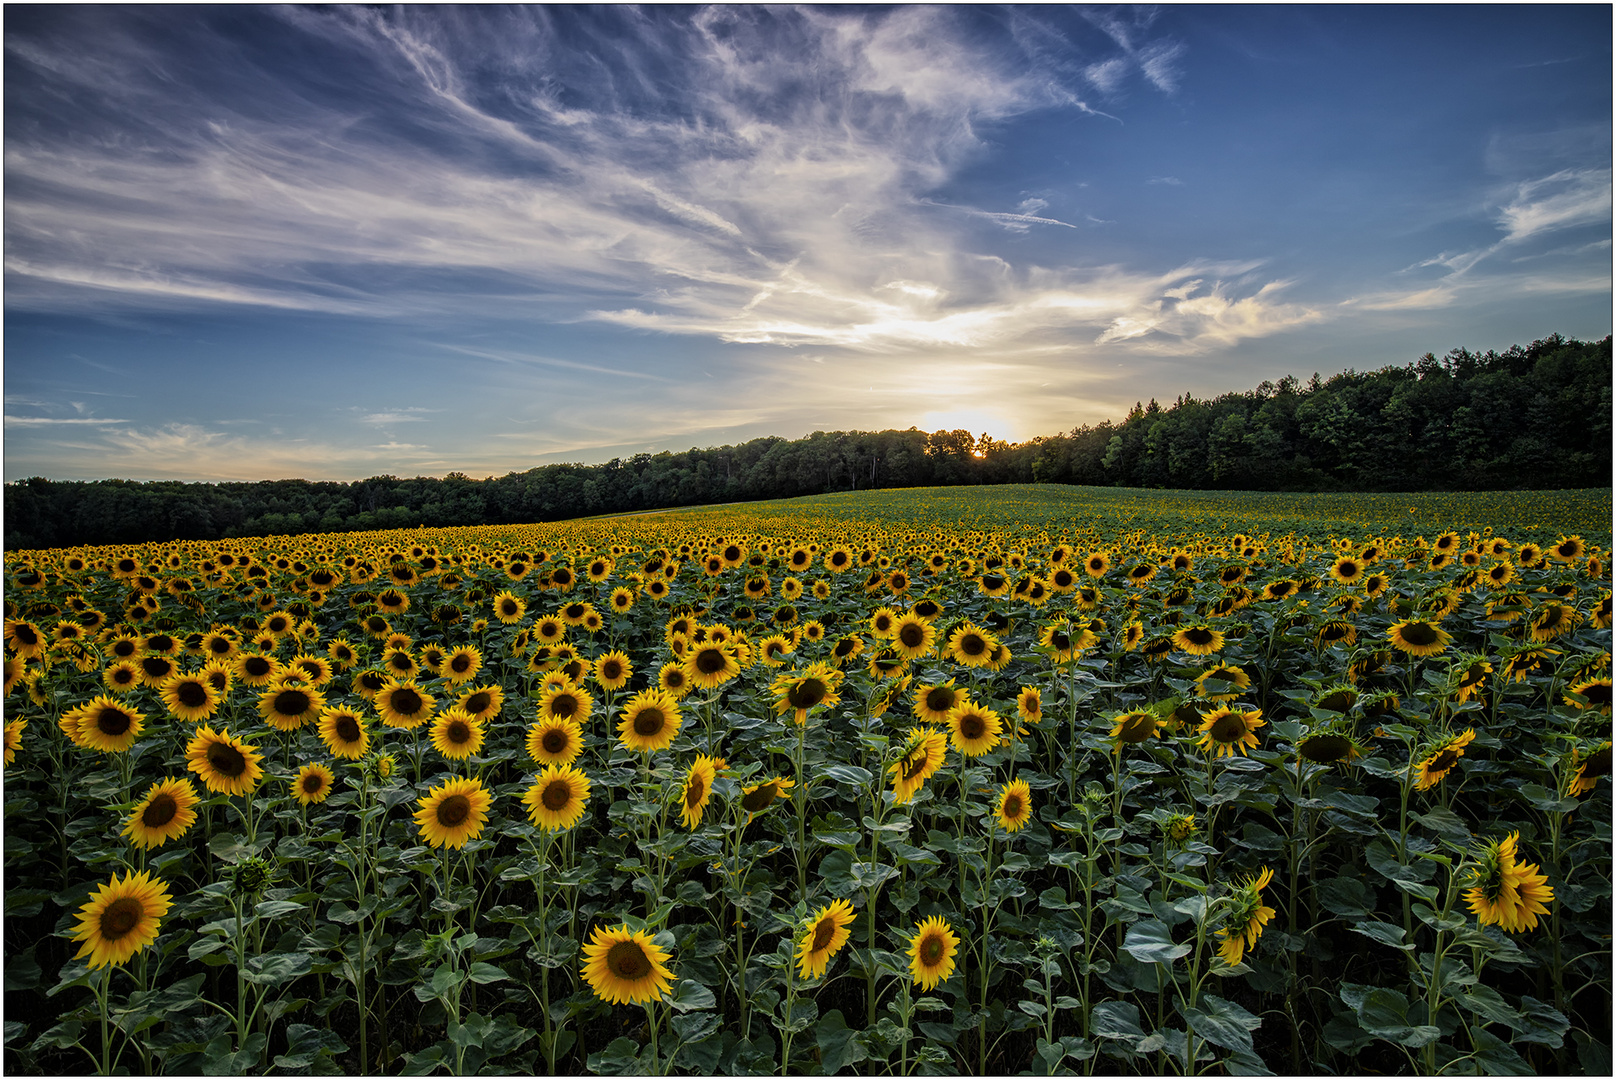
(799, 691)
(1504, 892)
(1246, 919)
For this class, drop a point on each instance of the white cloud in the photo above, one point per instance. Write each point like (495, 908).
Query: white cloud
(1567, 198)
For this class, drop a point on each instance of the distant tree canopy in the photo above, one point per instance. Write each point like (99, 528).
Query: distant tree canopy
(1533, 417)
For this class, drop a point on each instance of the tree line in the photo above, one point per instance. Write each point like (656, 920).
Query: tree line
(1533, 417)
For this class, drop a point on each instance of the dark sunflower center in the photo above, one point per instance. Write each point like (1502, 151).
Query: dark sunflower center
(753, 801)
(405, 702)
(1326, 748)
(611, 669)
(1338, 702)
(912, 636)
(291, 703)
(649, 721)
(508, 607)
(120, 917)
(1598, 763)
(454, 811)
(313, 784)
(1136, 729)
(347, 729)
(1228, 728)
(1012, 806)
(113, 721)
(257, 667)
(1444, 761)
(460, 664)
(1420, 633)
(457, 732)
(159, 812)
(710, 661)
(941, 699)
(156, 666)
(1062, 642)
(193, 695)
(910, 766)
(932, 950)
(123, 676)
(556, 795)
(628, 961)
(973, 645)
(695, 790)
(1198, 635)
(972, 726)
(563, 705)
(477, 702)
(226, 760)
(824, 932)
(807, 694)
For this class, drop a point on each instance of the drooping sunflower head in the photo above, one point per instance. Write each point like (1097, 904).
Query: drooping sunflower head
(1330, 743)
(1198, 640)
(1551, 620)
(1588, 767)
(1222, 682)
(1134, 727)
(1246, 918)
(697, 790)
(1439, 757)
(759, 797)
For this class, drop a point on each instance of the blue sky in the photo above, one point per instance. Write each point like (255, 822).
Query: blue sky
(337, 242)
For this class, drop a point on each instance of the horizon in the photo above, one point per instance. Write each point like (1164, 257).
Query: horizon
(338, 243)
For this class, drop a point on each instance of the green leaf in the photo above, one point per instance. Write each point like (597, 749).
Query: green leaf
(839, 1045)
(1347, 897)
(846, 774)
(620, 1058)
(1150, 941)
(304, 1044)
(276, 969)
(689, 996)
(1442, 820)
(1542, 1023)
(1495, 1057)
(694, 1027)
(482, 973)
(1385, 933)
(1222, 1022)
(274, 909)
(1384, 1014)
(1117, 1020)
(1490, 1005)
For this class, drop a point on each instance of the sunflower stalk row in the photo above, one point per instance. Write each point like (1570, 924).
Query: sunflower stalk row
(720, 793)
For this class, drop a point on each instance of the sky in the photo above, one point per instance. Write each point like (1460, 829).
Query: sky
(250, 243)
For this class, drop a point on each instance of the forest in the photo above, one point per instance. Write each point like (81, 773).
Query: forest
(1535, 417)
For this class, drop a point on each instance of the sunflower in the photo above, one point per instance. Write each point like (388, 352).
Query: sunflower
(1589, 768)
(1227, 731)
(456, 735)
(697, 790)
(256, 670)
(626, 967)
(555, 801)
(1132, 728)
(1198, 640)
(823, 937)
(920, 760)
(1568, 550)
(1419, 637)
(798, 692)
(121, 918)
(971, 646)
(224, 762)
(1014, 807)
(462, 665)
(931, 952)
(552, 741)
(25, 639)
(613, 670)
(166, 812)
(312, 784)
(105, 725)
(1552, 620)
(403, 704)
(1439, 757)
(1222, 682)
(290, 704)
(1504, 892)
(343, 730)
(651, 720)
(14, 730)
(508, 607)
(564, 701)
(1329, 744)
(1096, 564)
(759, 797)
(1336, 631)
(1245, 923)
(710, 665)
(912, 636)
(453, 812)
(481, 702)
(1030, 705)
(973, 729)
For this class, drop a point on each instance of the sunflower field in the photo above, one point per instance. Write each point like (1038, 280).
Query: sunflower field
(1001, 781)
